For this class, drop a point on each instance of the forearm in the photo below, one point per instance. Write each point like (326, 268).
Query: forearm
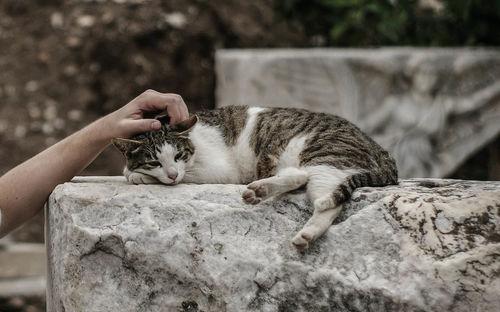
(24, 189)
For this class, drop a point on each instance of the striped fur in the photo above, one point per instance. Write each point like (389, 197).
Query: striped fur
(276, 149)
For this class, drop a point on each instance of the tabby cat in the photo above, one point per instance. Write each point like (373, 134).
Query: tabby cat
(275, 150)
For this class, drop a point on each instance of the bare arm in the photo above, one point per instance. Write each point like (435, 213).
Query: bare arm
(24, 189)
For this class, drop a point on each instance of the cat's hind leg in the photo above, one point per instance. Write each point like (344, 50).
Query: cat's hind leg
(287, 179)
(315, 227)
(324, 182)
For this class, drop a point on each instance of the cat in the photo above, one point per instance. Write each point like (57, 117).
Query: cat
(273, 150)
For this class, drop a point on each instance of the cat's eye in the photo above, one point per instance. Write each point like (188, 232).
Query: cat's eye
(154, 163)
(177, 157)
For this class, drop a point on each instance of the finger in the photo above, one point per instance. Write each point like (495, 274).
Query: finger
(182, 110)
(143, 125)
(176, 108)
(185, 112)
(174, 113)
(151, 100)
(179, 111)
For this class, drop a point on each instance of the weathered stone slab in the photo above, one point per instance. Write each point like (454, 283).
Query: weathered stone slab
(431, 108)
(424, 245)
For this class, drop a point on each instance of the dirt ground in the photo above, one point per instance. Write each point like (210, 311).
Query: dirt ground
(65, 63)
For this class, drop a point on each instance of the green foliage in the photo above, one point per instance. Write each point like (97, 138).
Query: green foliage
(396, 22)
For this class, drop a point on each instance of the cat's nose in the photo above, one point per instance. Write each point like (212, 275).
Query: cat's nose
(172, 176)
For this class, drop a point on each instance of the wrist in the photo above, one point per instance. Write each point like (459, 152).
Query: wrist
(100, 131)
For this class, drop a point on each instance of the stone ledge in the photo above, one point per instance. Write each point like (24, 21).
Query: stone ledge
(421, 245)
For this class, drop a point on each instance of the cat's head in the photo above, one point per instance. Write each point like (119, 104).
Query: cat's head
(164, 154)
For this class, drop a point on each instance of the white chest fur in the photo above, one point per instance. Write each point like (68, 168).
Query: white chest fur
(215, 162)
(242, 152)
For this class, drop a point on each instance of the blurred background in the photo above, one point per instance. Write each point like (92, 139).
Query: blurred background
(64, 63)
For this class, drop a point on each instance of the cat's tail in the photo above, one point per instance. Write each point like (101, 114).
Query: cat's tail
(385, 175)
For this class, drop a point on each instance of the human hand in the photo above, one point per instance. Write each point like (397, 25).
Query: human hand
(129, 120)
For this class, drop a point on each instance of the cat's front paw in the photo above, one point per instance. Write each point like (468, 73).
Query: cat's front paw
(255, 193)
(139, 178)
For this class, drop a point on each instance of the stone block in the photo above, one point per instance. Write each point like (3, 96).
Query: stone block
(422, 245)
(431, 108)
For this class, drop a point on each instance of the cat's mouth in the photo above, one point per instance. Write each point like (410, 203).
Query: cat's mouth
(168, 181)
(161, 178)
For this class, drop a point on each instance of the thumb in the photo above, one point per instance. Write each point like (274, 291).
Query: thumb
(144, 125)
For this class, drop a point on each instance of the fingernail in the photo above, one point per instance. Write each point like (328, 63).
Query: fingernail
(156, 125)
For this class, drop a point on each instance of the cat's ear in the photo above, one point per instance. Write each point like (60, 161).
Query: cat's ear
(125, 145)
(185, 126)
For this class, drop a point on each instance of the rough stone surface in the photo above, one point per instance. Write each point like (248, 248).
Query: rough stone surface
(430, 245)
(431, 108)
